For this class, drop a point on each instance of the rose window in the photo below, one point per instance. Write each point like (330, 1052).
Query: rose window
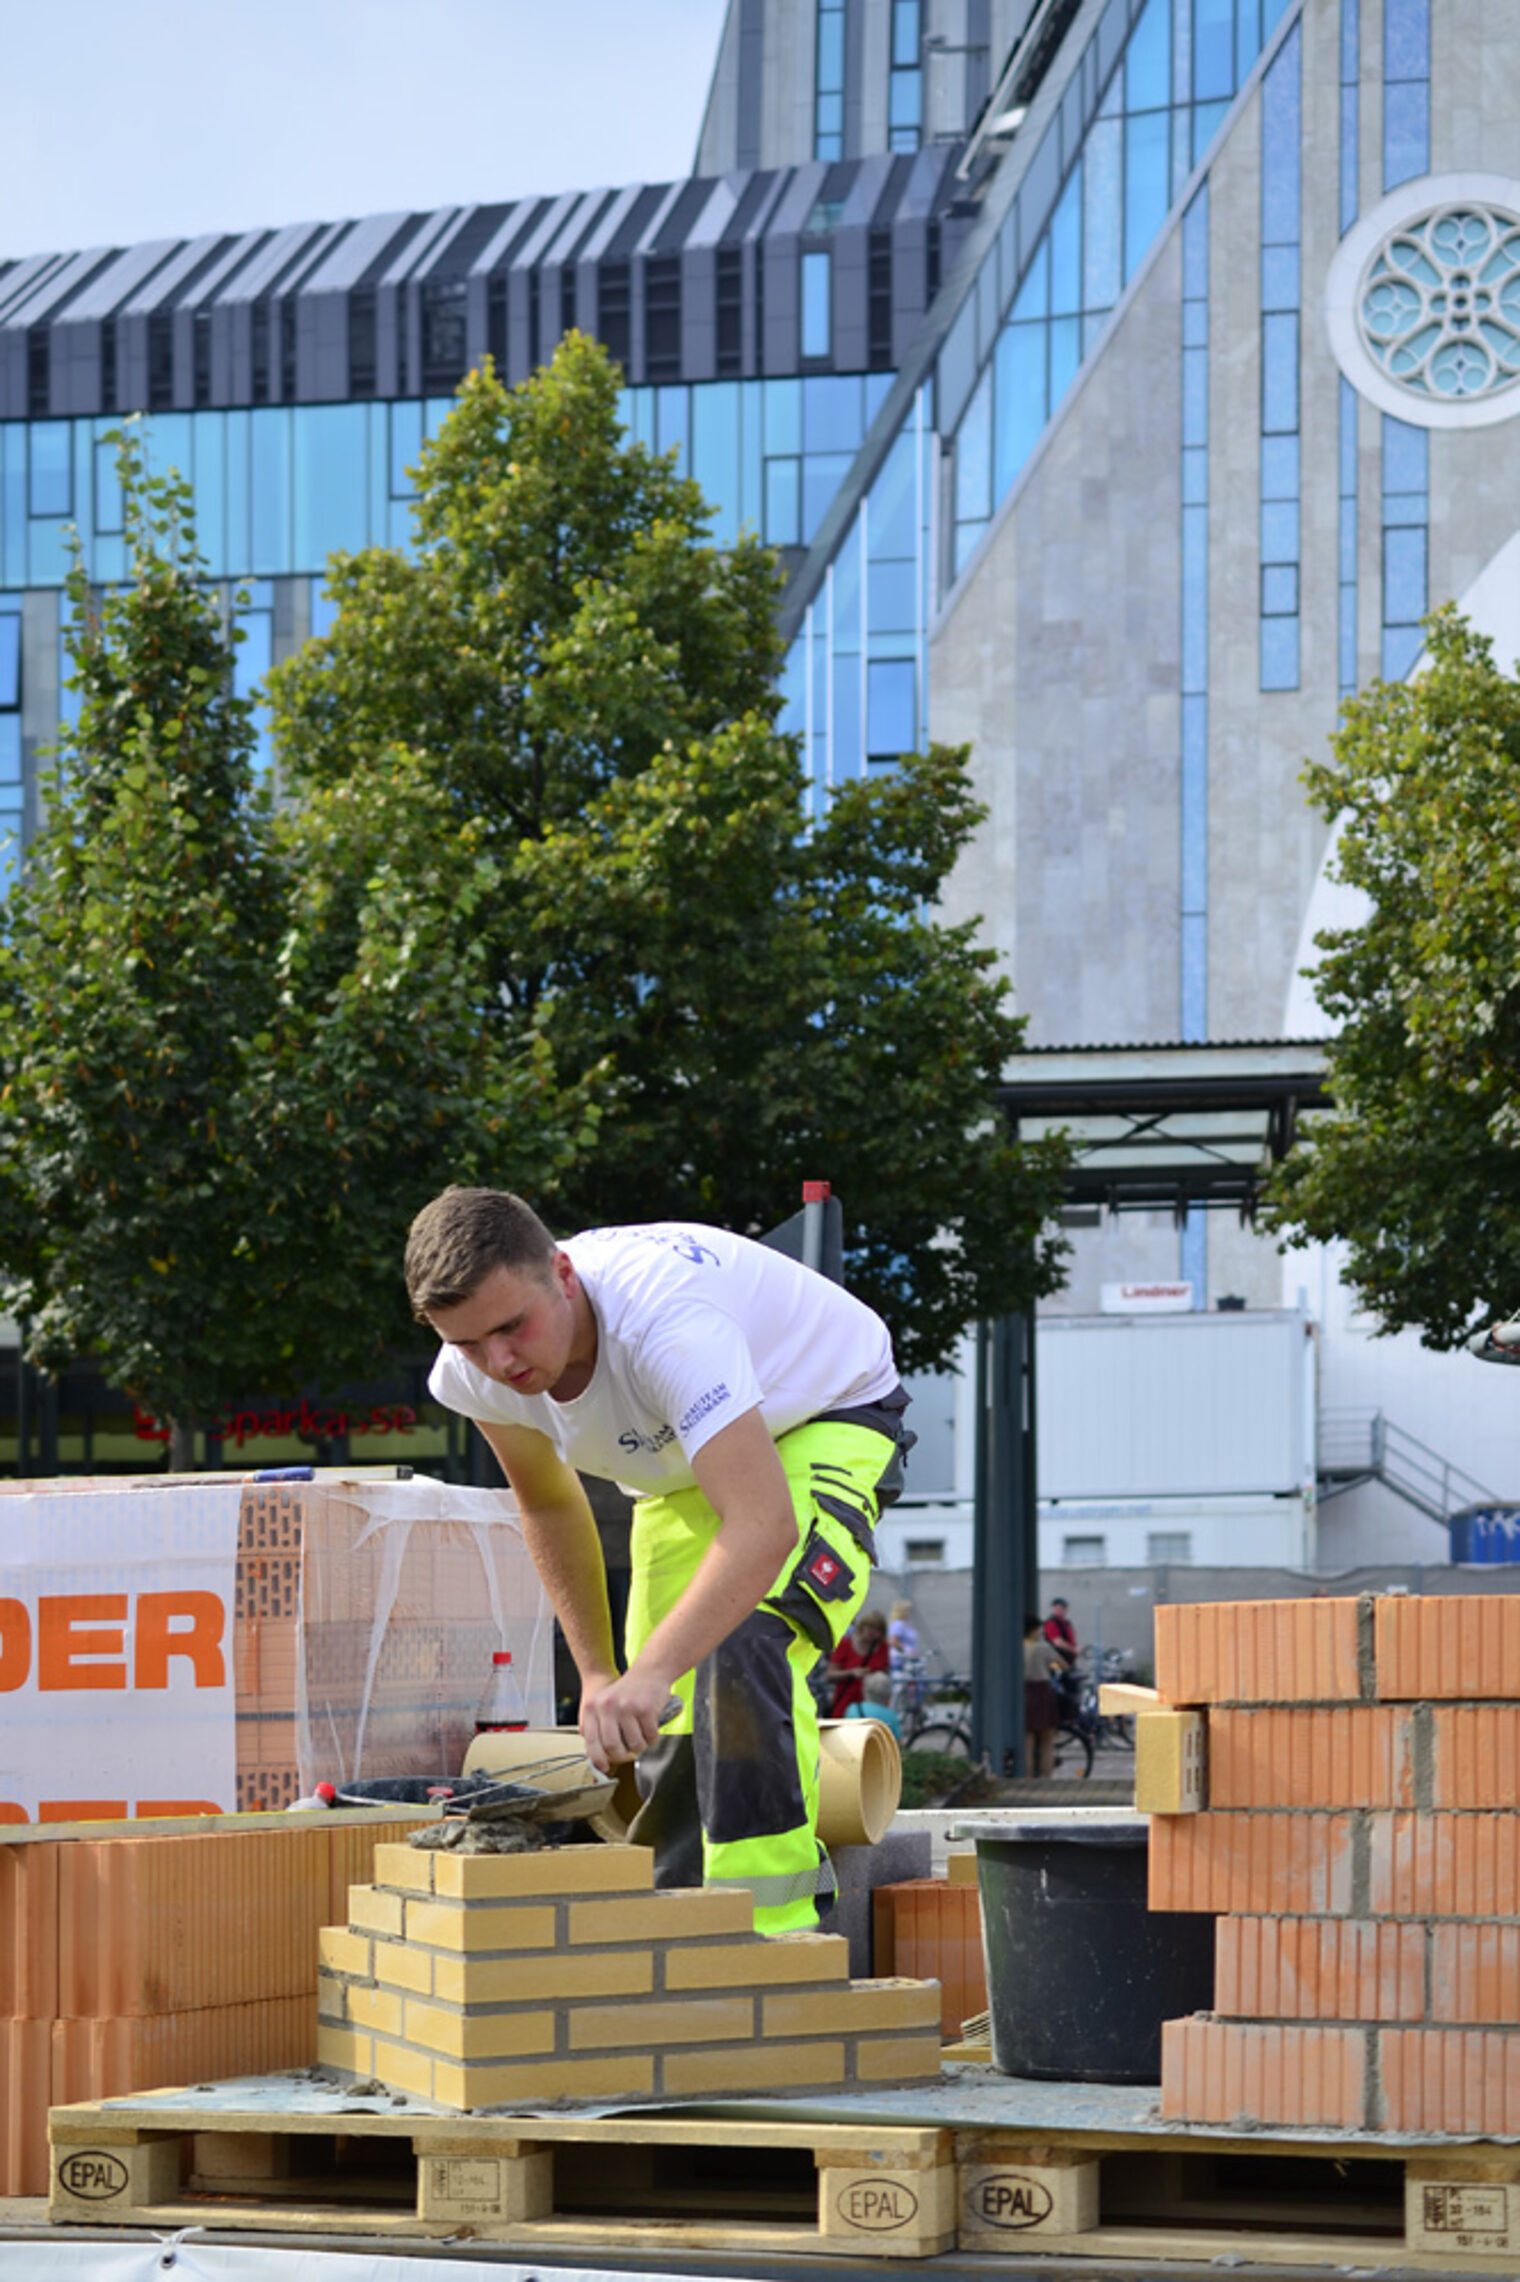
(1439, 304)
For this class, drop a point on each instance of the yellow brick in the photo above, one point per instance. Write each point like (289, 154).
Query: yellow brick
(409, 1868)
(960, 1870)
(480, 2084)
(755, 2067)
(478, 2036)
(1171, 1762)
(407, 2071)
(864, 2005)
(332, 1998)
(686, 2020)
(343, 1952)
(512, 1980)
(370, 1911)
(345, 2048)
(556, 1870)
(378, 2009)
(785, 1961)
(678, 1914)
(878, 2058)
(449, 1925)
(401, 1966)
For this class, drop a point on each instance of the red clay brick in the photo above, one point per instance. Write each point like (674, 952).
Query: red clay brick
(1347, 1755)
(1257, 1652)
(1214, 2071)
(1451, 2079)
(1444, 1865)
(1475, 1755)
(1475, 1974)
(29, 1928)
(1444, 1645)
(1291, 1865)
(1330, 1969)
(925, 1929)
(25, 2092)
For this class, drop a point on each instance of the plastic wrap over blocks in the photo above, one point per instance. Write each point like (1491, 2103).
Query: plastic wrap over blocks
(481, 1980)
(1361, 1846)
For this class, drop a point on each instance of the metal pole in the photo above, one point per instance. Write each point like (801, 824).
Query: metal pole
(1004, 1554)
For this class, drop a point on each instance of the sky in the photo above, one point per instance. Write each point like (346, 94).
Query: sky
(166, 118)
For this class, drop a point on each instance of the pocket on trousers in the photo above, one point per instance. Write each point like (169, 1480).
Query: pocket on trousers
(820, 1594)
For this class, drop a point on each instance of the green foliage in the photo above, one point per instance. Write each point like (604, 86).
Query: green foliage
(1418, 1168)
(586, 689)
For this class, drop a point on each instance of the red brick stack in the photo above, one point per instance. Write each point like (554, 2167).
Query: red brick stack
(1362, 1846)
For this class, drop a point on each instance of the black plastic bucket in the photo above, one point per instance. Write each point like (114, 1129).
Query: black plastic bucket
(1080, 1974)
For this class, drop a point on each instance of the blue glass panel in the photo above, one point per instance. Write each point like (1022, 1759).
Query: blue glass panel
(891, 503)
(847, 745)
(1213, 50)
(169, 444)
(844, 593)
(831, 413)
(893, 602)
(1346, 552)
(783, 416)
(108, 561)
(1042, 180)
(13, 503)
(783, 503)
(793, 685)
(1208, 118)
(1195, 477)
(672, 423)
(1279, 590)
(1194, 806)
(10, 658)
(324, 611)
(1402, 507)
(51, 489)
(715, 454)
(1351, 42)
(406, 443)
(1247, 37)
(1404, 580)
(1066, 250)
(1022, 403)
(1346, 644)
(1279, 467)
(1065, 355)
(1281, 125)
(107, 488)
(829, 144)
(906, 31)
(1101, 172)
(905, 101)
(891, 708)
(1279, 373)
(1279, 531)
(435, 410)
(1271, 17)
(1148, 59)
(48, 557)
(752, 455)
(379, 473)
(211, 492)
(1350, 155)
(1193, 1021)
(331, 482)
(830, 49)
(957, 366)
(1401, 646)
(1147, 185)
(1195, 396)
(822, 474)
(10, 748)
(1195, 324)
(973, 458)
(1113, 25)
(1406, 39)
(1195, 599)
(1195, 246)
(1279, 277)
(1406, 456)
(239, 457)
(1279, 653)
(1034, 293)
(1406, 131)
(878, 388)
(269, 489)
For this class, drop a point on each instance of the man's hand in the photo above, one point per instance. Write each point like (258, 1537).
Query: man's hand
(622, 1718)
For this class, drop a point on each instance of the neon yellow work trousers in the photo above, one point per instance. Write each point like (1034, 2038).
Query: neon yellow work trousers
(731, 1789)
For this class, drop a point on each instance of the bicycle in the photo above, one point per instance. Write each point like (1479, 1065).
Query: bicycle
(923, 1707)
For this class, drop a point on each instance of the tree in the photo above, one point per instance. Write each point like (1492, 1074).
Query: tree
(589, 686)
(1417, 1169)
(234, 1047)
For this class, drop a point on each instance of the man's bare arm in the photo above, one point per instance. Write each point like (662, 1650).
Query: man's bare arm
(561, 1535)
(744, 1482)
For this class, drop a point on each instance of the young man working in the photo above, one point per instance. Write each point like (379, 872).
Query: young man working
(754, 1410)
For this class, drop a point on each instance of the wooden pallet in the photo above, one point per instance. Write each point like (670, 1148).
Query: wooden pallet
(337, 2164)
(1269, 2199)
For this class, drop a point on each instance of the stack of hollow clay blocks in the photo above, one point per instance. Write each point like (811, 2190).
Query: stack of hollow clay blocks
(485, 1980)
(1347, 1774)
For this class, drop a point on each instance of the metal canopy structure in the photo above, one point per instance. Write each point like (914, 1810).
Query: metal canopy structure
(1174, 1128)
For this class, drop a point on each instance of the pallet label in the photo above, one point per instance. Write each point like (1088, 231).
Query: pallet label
(880, 2206)
(464, 2186)
(1009, 2199)
(1465, 2216)
(93, 2174)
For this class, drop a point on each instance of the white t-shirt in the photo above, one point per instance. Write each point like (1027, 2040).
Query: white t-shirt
(695, 1326)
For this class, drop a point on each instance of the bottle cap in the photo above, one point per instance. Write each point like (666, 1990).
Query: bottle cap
(501, 1656)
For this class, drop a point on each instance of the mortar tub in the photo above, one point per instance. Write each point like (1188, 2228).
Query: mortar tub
(1080, 1972)
(859, 1776)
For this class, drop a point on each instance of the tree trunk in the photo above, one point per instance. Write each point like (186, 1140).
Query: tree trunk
(181, 1447)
